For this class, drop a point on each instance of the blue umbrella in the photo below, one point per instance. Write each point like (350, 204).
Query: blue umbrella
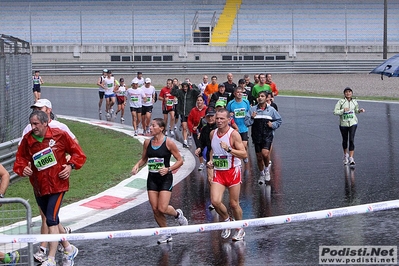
(389, 68)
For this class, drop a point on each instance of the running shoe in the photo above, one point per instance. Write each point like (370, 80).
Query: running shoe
(40, 256)
(165, 239)
(185, 145)
(211, 207)
(226, 232)
(14, 258)
(135, 133)
(108, 116)
(351, 161)
(176, 128)
(49, 262)
(346, 159)
(166, 133)
(181, 219)
(68, 259)
(245, 160)
(99, 111)
(262, 178)
(267, 174)
(122, 120)
(172, 133)
(201, 167)
(60, 247)
(239, 234)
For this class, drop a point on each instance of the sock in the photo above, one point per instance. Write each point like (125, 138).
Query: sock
(68, 249)
(43, 249)
(227, 220)
(51, 259)
(185, 141)
(7, 258)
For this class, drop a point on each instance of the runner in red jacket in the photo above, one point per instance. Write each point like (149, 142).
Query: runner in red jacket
(194, 118)
(42, 156)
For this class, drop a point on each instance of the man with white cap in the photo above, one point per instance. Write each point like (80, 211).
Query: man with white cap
(46, 106)
(148, 103)
(101, 89)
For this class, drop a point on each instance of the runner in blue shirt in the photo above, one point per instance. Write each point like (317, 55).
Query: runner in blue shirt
(238, 108)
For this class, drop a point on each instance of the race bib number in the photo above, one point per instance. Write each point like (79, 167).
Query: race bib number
(36, 81)
(110, 85)
(44, 159)
(224, 99)
(245, 97)
(155, 164)
(169, 102)
(134, 99)
(220, 162)
(148, 99)
(239, 113)
(348, 115)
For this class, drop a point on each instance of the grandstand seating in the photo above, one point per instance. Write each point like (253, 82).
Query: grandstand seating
(170, 21)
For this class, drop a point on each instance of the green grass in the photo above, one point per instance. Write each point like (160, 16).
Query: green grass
(110, 158)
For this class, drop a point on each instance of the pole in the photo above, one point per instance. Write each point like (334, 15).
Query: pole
(132, 32)
(238, 42)
(385, 44)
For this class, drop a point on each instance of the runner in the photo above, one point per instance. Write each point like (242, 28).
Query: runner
(101, 89)
(227, 150)
(347, 109)
(193, 121)
(121, 99)
(238, 108)
(139, 79)
(42, 157)
(110, 88)
(261, 86)
(187, 99)
(135, 96)
(156, 154)
(168, 101)
(37, 81)
(46, 106)
(220, 95)
(148, 103)
(264, 119)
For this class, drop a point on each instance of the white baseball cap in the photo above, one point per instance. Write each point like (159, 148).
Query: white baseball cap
(41, 103)
(147, 80)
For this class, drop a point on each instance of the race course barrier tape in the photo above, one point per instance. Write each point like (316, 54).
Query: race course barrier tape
(197, 228)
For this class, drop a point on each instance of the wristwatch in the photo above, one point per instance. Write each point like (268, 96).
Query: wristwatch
(1, 196)
(72, 166)
(169, 170)
(229, 149)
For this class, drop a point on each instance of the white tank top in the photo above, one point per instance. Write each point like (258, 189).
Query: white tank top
(222, 160)
(109, 83)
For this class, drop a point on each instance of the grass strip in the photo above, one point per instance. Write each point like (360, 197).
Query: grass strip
(110, 158)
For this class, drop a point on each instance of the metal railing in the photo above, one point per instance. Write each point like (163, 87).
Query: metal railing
(282, 67)
(7, 156)
(16, 219)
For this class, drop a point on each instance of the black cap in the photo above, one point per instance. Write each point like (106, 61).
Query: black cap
(221, 85)
(347, 89)
(210, 111)
(241, 81)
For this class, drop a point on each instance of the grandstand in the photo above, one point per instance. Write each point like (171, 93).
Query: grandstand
(171, 30)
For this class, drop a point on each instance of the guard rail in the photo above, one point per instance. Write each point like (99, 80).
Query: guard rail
(154, 68)
(8, 150)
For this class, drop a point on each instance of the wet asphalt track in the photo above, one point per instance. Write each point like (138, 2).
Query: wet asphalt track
(307, 175)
